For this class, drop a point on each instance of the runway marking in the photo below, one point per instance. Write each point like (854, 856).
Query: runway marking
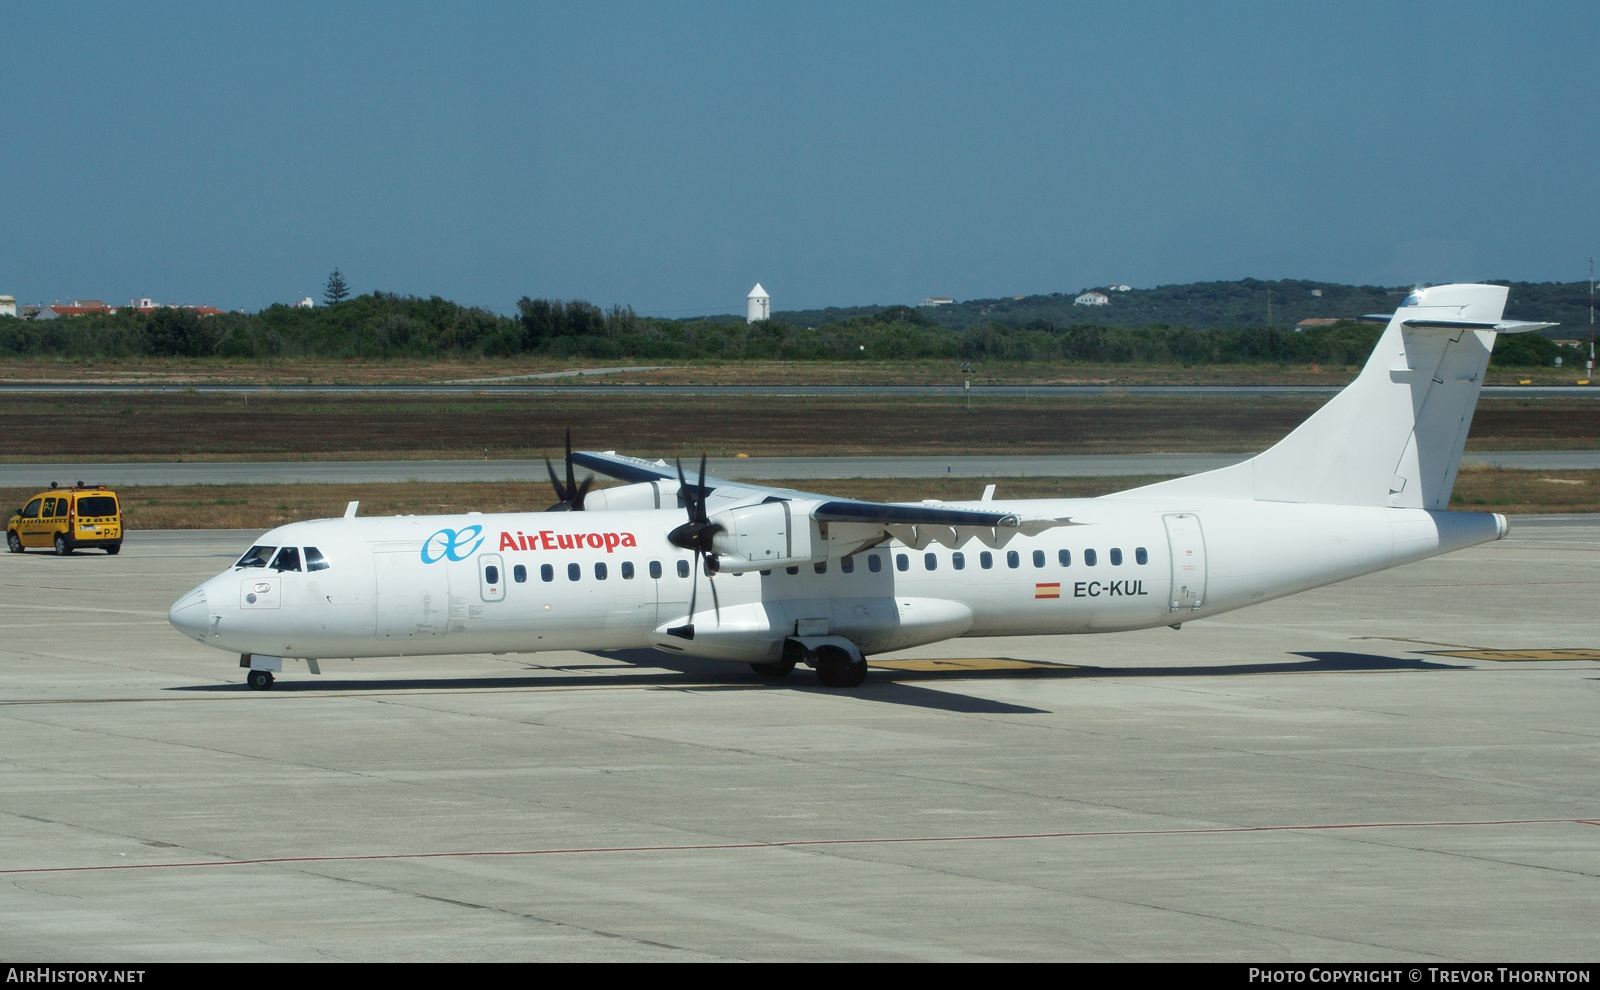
(1510, 656)
(974, 663)
(84, 608)
(798, 844)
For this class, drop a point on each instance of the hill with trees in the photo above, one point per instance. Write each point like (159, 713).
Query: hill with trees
(1198, 324)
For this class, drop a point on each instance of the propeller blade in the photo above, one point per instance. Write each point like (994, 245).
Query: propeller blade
(700, 493)
(716, 605)
(572, 483)
(555, 481)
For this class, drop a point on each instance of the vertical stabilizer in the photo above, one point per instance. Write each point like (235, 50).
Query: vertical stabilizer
(1394, 436)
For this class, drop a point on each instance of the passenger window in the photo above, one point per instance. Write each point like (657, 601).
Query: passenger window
(314, 560)
(873, 563)
(31, 511)
(627, 570)
(683, 568)
(574, 572)
(600, 570)
(288, 560)
(1088, 558)
(519, 574)
(1116, 556)
(655, 569)
(491, 574)
(1038, 558)
(49, 509)
(986, 560)
(547, 573)
(1013, 559)
(791, 570)
(254, 557)
(902, 562)
(958, 560)
(1141, 556)
(821, 567)
(930, 561)
(847, 564)
(1065, 556)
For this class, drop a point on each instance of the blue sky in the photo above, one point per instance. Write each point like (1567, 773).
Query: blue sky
(669, 155)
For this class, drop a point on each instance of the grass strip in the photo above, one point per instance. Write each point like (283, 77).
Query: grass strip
(265, 506)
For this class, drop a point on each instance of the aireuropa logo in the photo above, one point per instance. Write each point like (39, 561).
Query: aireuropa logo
(449, 542)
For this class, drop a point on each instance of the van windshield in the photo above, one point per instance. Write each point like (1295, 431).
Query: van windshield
(256, 557)
(97, 505)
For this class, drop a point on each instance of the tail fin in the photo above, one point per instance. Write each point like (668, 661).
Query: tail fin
(1394, 435)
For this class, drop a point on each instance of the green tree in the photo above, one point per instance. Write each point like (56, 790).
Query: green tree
(336, 290)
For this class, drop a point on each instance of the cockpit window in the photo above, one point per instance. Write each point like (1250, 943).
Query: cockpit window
(288, 560)
(256, 557)
(315, 560)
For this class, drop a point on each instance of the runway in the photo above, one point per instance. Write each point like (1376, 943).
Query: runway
(731, 468)
(532, 385)
(1345, 775)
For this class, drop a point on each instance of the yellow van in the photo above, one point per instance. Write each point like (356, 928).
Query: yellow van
(66, 519)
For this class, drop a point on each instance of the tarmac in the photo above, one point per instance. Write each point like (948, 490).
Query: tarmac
(732, 468)
(1353, 774)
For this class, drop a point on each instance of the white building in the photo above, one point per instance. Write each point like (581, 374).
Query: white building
(1120, 288)
(757, 305)
(305, 303)
(8, 306)
(1092, 298)
(936, 301)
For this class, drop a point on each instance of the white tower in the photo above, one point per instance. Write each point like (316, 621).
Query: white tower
(757, 305)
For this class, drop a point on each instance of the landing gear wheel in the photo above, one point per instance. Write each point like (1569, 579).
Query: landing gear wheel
(113, 549)
(13, 541)
(260, 680)
(63, 545)
(779, 669)
(836, 669)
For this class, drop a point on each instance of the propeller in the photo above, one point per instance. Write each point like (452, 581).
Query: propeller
(696, 535)
(571, 494)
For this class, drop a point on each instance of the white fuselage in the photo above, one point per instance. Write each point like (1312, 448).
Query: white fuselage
(526, 582)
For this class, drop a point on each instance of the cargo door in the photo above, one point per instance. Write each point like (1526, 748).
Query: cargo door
(413, 597)
(1188, 562)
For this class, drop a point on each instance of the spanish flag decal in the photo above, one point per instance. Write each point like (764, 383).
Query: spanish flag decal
(1051, 590)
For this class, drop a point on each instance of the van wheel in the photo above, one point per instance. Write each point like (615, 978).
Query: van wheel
(13, 541)
(113, 548)
(62, 546)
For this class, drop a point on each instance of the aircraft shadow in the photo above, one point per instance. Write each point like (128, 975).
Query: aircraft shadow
(885, 685)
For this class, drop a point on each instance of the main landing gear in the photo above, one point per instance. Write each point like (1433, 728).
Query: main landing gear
(259, 680)
(835, 666)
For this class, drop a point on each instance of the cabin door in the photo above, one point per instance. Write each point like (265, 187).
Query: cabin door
(413, 597)
(1188, 562)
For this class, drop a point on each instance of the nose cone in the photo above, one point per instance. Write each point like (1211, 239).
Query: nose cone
(190, 615)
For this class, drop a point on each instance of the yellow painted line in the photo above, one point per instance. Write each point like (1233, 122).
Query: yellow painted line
(977, 663)
(1507, 656)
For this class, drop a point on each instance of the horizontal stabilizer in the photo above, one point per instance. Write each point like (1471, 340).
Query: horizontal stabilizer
(1510, 326)
(1434, 323)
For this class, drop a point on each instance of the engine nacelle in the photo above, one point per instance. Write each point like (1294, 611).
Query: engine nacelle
(644, 495)
(771, 534)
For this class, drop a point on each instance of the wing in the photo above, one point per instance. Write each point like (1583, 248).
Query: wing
(852, 521)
